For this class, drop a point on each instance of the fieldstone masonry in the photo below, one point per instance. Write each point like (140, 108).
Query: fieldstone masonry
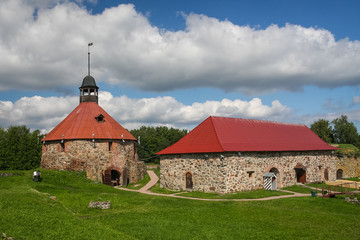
(230, 172)
(95, 158)
(350, 166)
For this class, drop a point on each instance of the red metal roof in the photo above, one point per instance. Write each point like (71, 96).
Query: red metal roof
(81, 123)
(220, 134)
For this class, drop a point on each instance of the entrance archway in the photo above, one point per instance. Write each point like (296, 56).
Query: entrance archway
(300, 175)
(115, 178)
(189, 181)
(111, 177)
(275, 171)
(339, 174)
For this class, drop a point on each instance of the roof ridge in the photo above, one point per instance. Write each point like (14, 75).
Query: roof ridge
(261, 120)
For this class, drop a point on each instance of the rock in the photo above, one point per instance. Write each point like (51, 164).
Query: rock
(100, 204)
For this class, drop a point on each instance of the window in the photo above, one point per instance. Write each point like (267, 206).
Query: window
(110, 146)
(100, 118)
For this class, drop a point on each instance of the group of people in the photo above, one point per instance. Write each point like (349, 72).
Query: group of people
(37, 176)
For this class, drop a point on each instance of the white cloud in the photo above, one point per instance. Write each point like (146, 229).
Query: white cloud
(36, 112)
(49, 51)
(355, 100)
(45, 113)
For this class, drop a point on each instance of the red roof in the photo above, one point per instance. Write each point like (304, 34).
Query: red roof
(82, 124)
(220, 134)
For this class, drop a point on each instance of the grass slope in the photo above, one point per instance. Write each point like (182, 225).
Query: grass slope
(28, 212)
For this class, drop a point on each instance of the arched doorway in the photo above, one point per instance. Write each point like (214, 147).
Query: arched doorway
(111, 177)
(300, 172)
(115, 178)
(326, 174)
(275, 171)
(339, 174)
(189, 181)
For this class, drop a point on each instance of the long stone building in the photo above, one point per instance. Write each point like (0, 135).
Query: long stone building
(90, 140)
(229, 154)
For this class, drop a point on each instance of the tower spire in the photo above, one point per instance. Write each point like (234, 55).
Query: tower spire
(88, 89)
(89, 44)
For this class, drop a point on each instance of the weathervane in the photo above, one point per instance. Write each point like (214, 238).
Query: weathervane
(89, 44)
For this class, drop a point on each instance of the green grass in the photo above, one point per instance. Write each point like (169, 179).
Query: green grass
(300, 189)
(28, 212)
(356, 179)
(348, 150)
(140, 183)
(260, 193)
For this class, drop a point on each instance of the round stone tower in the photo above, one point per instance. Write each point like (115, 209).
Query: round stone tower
(90, 140)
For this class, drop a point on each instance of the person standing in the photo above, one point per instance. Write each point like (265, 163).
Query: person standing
(35, 176)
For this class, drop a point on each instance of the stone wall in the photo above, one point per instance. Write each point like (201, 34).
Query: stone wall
(350, 166)
(94, 158)
(230, 172)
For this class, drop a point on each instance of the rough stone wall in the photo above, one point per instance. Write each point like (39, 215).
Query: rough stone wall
(229, 172)
(94, 158)
(350, 166)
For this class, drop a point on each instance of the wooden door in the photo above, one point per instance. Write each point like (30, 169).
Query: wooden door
(300, 175)
(107, 177)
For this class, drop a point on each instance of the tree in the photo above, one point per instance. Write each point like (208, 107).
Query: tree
(19, 148)
(323, 129)
(153, 140)
(344, 131)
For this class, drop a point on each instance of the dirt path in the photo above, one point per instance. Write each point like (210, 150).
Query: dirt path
(154, 178)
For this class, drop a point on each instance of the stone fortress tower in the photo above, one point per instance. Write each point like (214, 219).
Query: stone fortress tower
(90, 140)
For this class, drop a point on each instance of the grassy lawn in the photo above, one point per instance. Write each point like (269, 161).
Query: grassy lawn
(28, 212)
(300, 189)
(260, 193)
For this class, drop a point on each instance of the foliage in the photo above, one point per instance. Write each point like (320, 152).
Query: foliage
(28, 212)
(323, 129)
(339, 131)
(344, 131)
(19, 148)
(153, 140)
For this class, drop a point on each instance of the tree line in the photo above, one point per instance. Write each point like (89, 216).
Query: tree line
(154, 139)
(20, 148)
(339, 130)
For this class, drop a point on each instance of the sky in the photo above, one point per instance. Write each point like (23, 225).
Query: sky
(175, 63)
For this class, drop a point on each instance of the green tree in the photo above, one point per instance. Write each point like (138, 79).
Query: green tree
(20, 148)
(323, 129)
(153, 140)
(345, 131)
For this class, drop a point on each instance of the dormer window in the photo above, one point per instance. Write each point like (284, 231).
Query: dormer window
(100, 118)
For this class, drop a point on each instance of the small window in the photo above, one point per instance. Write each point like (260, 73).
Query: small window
(250, 173)
(110, 146)
(100, 118)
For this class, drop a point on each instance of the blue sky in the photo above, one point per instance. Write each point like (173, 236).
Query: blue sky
(176, 62)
